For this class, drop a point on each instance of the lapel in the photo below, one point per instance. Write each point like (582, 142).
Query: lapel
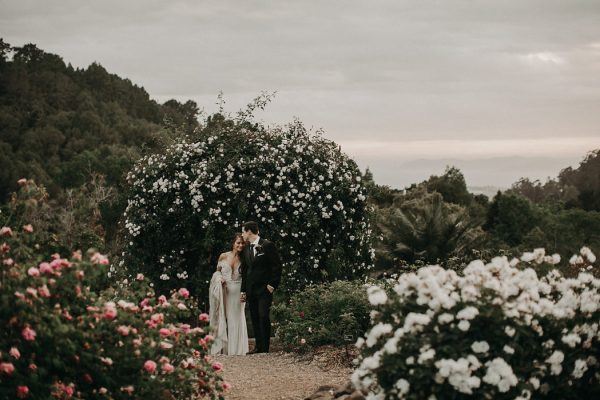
(261, 241)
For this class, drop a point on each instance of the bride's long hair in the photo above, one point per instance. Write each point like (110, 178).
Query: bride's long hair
(235, 239)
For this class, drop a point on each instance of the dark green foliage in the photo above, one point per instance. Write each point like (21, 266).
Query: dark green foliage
(432, 222)
(575, 188)
(452, 186)
(59, 124)
(510, 218)
(425, 228)
(329, 314)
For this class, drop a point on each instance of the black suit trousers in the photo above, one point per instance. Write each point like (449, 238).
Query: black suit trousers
(260, 309)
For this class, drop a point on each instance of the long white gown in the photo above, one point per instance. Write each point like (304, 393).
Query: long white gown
(236, 340)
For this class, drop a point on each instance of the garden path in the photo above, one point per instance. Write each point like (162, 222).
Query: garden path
(277, 376)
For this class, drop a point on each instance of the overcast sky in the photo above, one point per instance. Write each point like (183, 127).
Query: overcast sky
(501, 89)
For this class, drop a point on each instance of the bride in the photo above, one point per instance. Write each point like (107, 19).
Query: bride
(227, 315)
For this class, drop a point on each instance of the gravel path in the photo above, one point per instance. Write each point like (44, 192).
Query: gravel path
(276, 376)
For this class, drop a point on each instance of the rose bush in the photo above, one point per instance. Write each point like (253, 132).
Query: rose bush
(186, 204)
(326, 314)
(499, 331)
(60, 339)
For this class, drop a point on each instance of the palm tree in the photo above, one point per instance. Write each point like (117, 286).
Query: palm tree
(425, 228)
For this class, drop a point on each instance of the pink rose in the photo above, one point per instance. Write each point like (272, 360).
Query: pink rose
(77, 255)
(184, 293)
(157, 318)
(22, 392)
(185, 328)
(33, 271)
(68, 390)
(4, 248)
(123, 330)
(302, 341)
(140, 277)
(28, 334)
(80, 275)
(204, 317)
(128, 389)
(150, 366)
(226, 385)
(98, 258)
(162, 299)
(15, 353)
(166, 345)
(217, 366)
(56, 264)
(106, 361)
(164, 332)
(44, 291)
(7, 368)
(45, 268)
(209, 338)
(5, 231)
(8, 262)
(168, 368)
(110, 310)
(28, 228)
(22, 182)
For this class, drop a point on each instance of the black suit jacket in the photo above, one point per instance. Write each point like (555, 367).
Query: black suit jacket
(261, 270)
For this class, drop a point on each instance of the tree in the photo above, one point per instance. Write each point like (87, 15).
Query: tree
(427, 229)
(451, 185)
(510, 218)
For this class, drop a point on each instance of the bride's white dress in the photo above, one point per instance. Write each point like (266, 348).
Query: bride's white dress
(228, 317)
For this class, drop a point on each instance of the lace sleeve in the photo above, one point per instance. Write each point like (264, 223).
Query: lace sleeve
(225, 271)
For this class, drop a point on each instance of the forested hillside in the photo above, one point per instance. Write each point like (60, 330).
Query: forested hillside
(59, 124)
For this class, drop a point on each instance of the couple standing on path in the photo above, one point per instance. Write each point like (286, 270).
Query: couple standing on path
(250, 273)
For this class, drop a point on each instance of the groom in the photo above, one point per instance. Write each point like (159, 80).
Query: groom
(261, 274)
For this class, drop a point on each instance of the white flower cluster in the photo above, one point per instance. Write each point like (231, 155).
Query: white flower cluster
(306, 195)
(477, 331)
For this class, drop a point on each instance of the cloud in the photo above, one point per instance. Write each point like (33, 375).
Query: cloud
(544, 57)
(471, 149)
(395, 72)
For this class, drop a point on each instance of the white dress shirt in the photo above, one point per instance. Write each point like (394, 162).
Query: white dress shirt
(254, 244)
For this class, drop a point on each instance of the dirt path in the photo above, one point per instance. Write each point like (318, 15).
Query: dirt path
(276, 376)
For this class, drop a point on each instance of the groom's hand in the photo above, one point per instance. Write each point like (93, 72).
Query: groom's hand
(270, 288)
(242, 297)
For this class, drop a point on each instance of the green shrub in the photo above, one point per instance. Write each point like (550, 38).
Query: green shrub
(328, 314)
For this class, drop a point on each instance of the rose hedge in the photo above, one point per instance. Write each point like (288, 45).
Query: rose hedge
(186, 204)
(497, 332)
(61, 340)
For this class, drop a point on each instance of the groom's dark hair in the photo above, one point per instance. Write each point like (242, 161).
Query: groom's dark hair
(251, 226)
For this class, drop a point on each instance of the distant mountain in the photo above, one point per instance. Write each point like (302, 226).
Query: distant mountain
(499, 172)
(58, 124)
